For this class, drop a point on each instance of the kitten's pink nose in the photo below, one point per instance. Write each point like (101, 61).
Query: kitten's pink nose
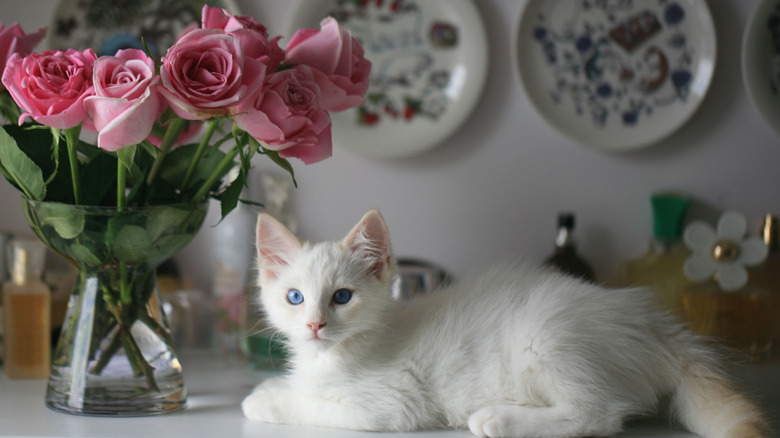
(316, 326)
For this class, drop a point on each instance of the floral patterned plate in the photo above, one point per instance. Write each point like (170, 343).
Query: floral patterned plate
(761, 61)
(429, 65)
(615, 74)
(107, 26)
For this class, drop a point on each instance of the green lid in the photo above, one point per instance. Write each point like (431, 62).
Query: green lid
(668, 213)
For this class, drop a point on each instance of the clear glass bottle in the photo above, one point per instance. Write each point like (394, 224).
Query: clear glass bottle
(261, 344)
(232, 270)
(565, 258)
(27, 308)
(661, 267)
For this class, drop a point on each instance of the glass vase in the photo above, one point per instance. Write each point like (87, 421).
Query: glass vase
(115, 354)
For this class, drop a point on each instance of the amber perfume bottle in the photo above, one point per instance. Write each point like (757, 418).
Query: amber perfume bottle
(736, 312)
(566, 258)
(740, 319)
(27, 308)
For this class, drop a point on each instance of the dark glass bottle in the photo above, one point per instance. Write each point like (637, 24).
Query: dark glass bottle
(565, 258)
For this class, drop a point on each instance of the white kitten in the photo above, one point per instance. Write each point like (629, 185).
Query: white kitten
(517, 351)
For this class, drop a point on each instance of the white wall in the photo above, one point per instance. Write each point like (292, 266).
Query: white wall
(494, 188)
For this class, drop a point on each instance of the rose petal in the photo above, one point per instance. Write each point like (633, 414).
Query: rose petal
(120, 122)
(319, 49)
(311, 154)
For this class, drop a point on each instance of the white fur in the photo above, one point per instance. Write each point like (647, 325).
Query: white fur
(516, 351)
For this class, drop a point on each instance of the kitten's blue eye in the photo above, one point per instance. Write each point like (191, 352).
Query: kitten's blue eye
(294, 297)
(342, 296)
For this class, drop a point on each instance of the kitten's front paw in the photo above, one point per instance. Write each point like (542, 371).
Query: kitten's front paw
(259, 406)
(488, 422)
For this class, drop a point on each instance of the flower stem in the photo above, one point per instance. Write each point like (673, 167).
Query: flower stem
(136, 358)
(170, 137)
(199, 153)
(107, 354)
(120, 186)
(223, 165)
(71, 139)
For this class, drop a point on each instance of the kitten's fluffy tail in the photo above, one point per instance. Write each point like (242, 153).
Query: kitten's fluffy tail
(708, 404)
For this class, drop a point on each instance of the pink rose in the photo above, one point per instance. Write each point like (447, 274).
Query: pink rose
(51, 86)
(342, 72)
(287, 116)
(14, 40)
(253, 35)
(126, 102)
(206, 74)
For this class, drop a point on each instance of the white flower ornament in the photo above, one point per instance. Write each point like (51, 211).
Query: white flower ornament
(723, 254)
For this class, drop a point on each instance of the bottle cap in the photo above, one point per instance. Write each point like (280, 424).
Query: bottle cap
(566, 220)
(26, 258)
(668, 213)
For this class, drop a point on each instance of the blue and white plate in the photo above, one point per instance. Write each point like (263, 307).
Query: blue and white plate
(615, 74)
(761, 61)
(108, 26)
(429, 65)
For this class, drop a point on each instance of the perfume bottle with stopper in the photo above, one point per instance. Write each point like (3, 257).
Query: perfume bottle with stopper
(566, 258)
(724, 300)
(661, 267)
(27, 308)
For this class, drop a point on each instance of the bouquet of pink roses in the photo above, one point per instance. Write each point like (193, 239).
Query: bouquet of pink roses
(228, 72)
(227, 79)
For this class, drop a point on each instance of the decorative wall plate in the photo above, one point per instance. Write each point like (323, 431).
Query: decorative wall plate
(429, 65)
(615, 74)
(761, 61)
(107, 26)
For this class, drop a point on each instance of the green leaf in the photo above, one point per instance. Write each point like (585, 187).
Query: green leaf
(23, 172)
(126, 155)
(55, 155)
(150, 148)
(83, 254)
(281, 162)
(99, 178)
(177, 162)
(229, 197)
(88, 152)
(173, 242)
(132, 244)
(65, 220)
(164, 218)
(167, 116)
(8, 108)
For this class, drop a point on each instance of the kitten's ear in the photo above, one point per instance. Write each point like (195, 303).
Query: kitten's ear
(274, 245)
(369, 241)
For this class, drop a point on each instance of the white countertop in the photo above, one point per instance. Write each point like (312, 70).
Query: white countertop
(216, 387)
